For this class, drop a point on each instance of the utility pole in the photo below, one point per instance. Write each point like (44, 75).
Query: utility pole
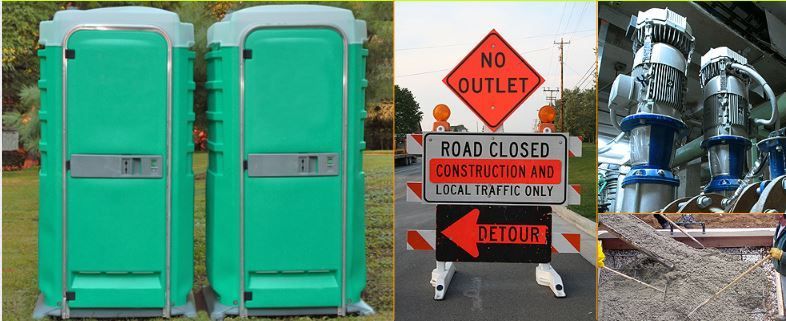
(562, 44)
(551, 95)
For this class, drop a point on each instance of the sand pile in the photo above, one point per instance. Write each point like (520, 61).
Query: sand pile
(697, 274)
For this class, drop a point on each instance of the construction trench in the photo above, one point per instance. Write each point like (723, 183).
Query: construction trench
(688, 275)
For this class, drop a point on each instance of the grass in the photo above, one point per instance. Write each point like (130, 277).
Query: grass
(20, 238)
(583, 170)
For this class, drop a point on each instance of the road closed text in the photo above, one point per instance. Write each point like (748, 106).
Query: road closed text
(500, 168)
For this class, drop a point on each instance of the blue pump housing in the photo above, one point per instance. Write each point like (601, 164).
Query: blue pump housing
(775, 146)
(664, 130)
(738, 148)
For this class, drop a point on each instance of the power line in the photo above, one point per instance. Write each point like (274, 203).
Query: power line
(582, 81)
(572, 7)
(562, 108)
(586, 73)
(551, 68)
(551, 95)
(589, 83)
(562, 16)
(574, 70)
(422, 73)
(578, 21)
(466, 43)
(580, 84)
(551, 63)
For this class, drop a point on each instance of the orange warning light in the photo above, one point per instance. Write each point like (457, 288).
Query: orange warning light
(547, 113)
(441, 112)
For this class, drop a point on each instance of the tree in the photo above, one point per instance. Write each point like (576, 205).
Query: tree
(202, 16)
(580, 108)
(379, 69)
(25, 120)
(379, 63)
(379, 22)
(408, 114)
(20, 42)
(379, 128)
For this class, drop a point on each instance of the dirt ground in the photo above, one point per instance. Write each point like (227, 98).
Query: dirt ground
(721, 220)
(696, 275)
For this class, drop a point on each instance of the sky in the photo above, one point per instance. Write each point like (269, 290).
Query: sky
(432, 38)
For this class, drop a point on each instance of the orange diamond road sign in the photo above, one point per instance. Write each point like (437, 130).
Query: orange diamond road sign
(493, 80)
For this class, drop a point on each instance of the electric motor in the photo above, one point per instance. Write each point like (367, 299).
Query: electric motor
(663, 43)
(726, 110)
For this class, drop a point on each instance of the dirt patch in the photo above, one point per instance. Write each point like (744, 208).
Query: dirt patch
(721, 220)
(697, 274)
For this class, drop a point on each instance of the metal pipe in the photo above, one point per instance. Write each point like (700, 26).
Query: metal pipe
(774, 119)
(610, 144)
(692, 150)
(693, 122)
(613, 118)
(688, 152)
(761, 110)
(754, 171)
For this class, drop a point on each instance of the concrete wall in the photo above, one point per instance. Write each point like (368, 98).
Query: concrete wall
(10, 140)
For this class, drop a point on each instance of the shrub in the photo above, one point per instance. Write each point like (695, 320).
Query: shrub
(25, 119)
(13, 160)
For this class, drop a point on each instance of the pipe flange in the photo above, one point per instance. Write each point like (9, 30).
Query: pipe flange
(650, 176)
(646, 119)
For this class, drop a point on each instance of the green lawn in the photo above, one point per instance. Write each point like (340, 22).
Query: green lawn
(583, 170)
(20, 229)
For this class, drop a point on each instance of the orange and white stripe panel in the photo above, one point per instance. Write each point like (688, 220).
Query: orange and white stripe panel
(421, 240)
(565, 243)
(415, 192)
(574, 194)
(574, 146)
(415, 144)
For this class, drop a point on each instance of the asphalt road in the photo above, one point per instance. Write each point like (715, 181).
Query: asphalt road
(481, 291)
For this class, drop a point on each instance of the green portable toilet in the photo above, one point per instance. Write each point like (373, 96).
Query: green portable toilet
(116, 183)
(285, 184)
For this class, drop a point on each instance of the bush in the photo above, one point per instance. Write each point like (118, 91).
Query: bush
(25, 119)
(13, 160)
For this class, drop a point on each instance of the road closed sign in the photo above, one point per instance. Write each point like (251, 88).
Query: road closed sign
(502, 169)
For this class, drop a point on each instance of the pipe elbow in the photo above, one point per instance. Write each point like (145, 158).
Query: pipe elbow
(774, 120)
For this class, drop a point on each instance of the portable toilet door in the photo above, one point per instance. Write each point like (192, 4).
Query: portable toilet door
(285, 175)
(116, 191)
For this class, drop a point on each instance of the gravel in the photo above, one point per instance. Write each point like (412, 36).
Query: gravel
(696, 276)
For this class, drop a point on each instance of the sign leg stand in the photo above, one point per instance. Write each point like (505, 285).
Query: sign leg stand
(546, 275)
(440, 278)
